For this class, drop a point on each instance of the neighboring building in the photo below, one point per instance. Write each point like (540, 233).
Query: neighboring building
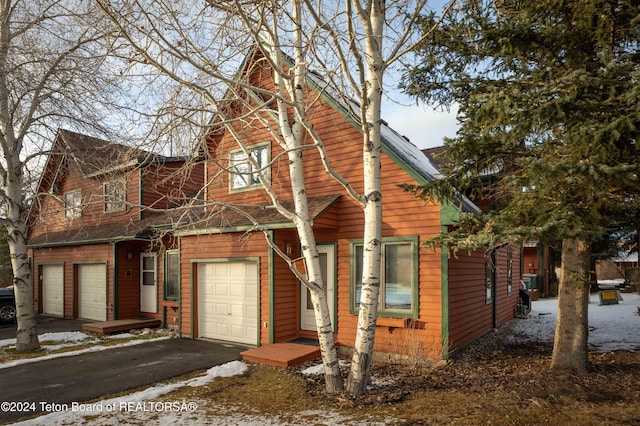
(615, 267)
(94, 227)
(225, 282)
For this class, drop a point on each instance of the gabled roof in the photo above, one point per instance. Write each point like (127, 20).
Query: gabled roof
(241, 218)
(225, 219)
(94, 156)
(408, 156)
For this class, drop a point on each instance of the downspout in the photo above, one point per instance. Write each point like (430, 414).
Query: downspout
(115, 281)
(271, 291)
(444, 264)
(141, 211)
(543, 280)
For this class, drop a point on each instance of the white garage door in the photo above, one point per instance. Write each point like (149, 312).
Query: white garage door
(228, 301)
(92, 291)
(53, 290)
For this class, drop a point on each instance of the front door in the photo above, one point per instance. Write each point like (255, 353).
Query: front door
(148, 283)
(327, 255)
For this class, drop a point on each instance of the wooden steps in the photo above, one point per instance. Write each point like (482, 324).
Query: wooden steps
(281, 354)
(115, 326)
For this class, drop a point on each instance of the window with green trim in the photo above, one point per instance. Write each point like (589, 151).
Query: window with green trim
(398, 278)
(172, 275)
(246, 170)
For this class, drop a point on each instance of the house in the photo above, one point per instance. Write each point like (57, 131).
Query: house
(235, 287)
(94, 230)
(99, 256)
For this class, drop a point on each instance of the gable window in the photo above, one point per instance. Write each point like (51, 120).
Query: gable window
(172, 275)
(245, 170)
(115, 196)
(73, 205)
(398, 277)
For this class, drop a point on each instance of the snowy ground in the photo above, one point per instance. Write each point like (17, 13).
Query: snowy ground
(612, 327)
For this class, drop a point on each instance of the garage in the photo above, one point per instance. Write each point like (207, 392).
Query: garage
(92, 291)
(53, 290)
(228, 301)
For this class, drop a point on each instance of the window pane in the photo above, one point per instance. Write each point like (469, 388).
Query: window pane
(259, 155)
(148, 278)
(398, 276)
(148, 263)
(173, 275)
(115, 196)
(240, 168)
(72, 205)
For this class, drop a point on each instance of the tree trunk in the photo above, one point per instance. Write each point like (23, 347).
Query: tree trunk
(570, 352)
(27, 334)
(371, 261)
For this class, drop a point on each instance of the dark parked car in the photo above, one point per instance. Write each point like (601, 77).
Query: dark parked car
(7, 305)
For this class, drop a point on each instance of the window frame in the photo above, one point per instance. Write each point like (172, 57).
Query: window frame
(168, 296)
(252, 183)
(107, 201)
(490, 277)
(74, 211)
(354, 308)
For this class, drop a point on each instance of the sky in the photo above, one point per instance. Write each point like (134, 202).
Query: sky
(424, 127)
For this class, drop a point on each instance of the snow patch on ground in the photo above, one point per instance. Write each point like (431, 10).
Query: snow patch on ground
(611, 327)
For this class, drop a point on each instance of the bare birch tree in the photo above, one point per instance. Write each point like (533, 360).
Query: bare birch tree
(351, 43)
(50, 56)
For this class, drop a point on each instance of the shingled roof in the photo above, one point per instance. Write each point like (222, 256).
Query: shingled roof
(94, 156)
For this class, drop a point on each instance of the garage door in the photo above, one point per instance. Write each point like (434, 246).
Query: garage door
(53, 290)
(92, 292)
(228, 301)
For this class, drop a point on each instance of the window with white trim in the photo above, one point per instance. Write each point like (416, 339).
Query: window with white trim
(246, 170)
(115, 196)
(398, 278)
(73, 205)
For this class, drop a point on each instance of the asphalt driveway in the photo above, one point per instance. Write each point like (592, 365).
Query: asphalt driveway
(93, 375)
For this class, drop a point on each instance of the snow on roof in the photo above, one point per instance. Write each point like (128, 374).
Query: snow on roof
(623, 256)
(410, 153)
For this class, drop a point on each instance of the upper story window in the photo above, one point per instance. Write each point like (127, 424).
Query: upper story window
(115, 196)
(73, 205)
(245, 170)
(398, 277)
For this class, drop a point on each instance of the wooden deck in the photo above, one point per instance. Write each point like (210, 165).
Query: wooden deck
(281, 354)
(115, 326)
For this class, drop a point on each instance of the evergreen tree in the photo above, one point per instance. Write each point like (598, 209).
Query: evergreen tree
(549, 113)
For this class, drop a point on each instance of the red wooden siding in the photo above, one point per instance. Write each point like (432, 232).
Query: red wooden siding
(470, 316)
(97, 253)
(220, 247)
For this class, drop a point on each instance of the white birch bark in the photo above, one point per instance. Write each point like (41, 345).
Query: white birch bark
(293, 135)
(372, 148)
